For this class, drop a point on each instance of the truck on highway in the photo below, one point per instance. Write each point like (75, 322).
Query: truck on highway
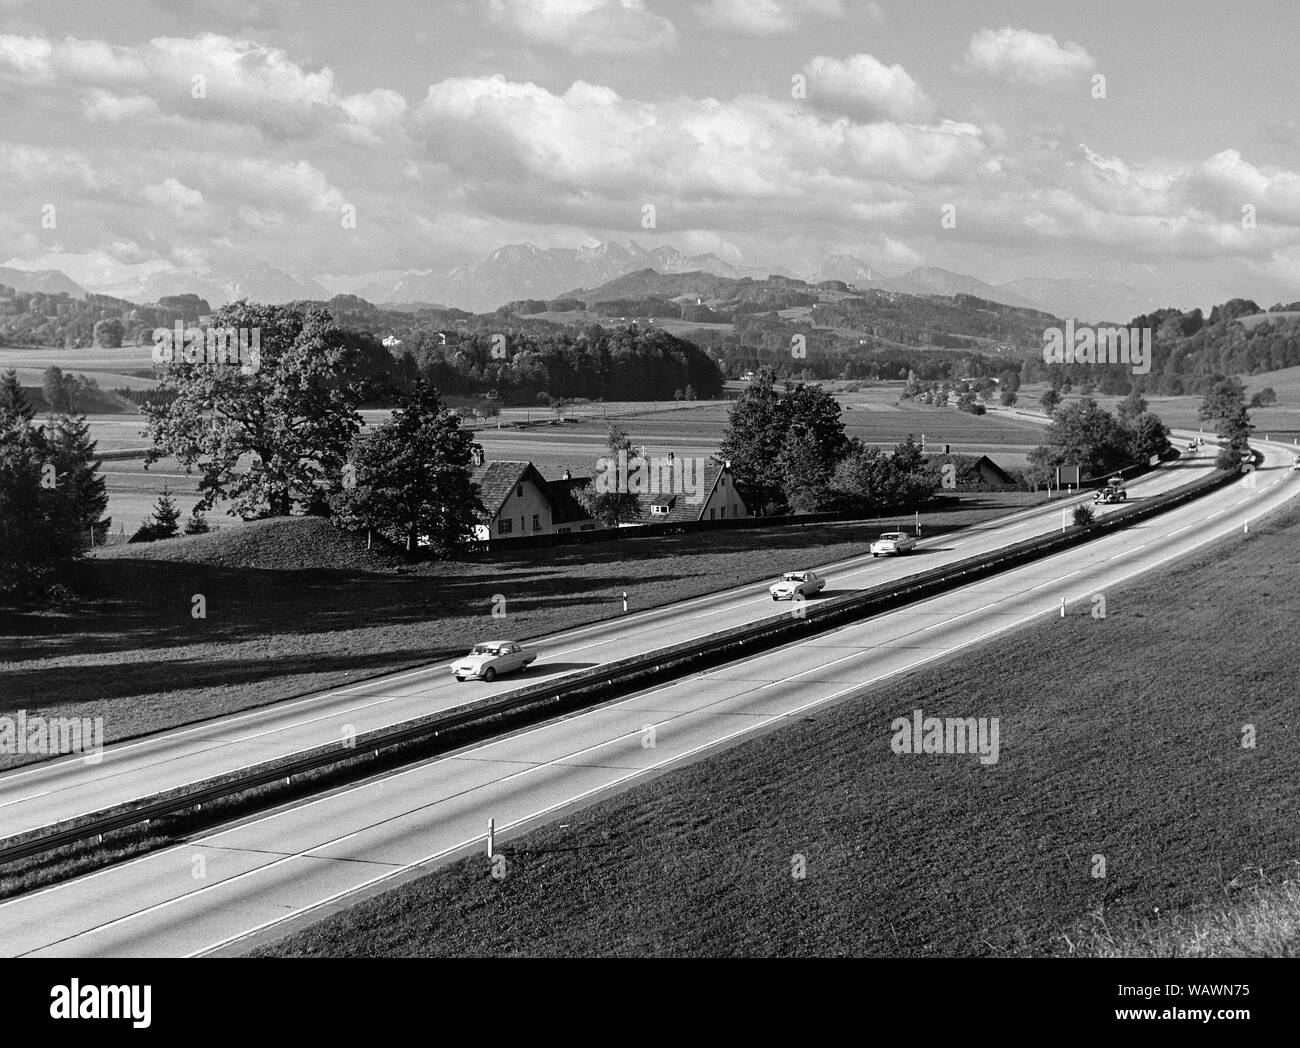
(1114, 491)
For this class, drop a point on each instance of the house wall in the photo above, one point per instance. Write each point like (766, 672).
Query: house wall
(724, 495)
(515, 507)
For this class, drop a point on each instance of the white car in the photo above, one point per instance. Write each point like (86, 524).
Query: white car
(796, 584)
(488, 660)
(893, 542)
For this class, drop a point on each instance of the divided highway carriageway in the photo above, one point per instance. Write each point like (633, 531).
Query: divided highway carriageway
(268, 873)
(56, 791)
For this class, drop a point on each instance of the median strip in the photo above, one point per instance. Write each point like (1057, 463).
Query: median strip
(449, 729)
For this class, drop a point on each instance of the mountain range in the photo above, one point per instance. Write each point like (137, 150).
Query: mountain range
(521, 271)
(45, 281)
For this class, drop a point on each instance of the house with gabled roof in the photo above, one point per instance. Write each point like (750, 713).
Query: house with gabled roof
(971, 470)
(713, 494)
(519, 502)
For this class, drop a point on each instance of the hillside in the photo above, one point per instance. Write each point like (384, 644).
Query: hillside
(279, 544)
(43, 281)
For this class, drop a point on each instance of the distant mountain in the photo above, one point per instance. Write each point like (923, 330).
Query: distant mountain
(650, 283)
(218, 284)
(46, 281)
(520, 271)
(850, 269)
(1089, 301)
(930, 280)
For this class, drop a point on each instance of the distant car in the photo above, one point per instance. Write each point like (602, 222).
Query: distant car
(1114, 491)
(488, 661)
(893, 542)
(1296, 463)
(797, 584)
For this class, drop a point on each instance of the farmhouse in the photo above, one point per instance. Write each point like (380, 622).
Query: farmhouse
(519, 502)
(714, 495)
(973, 471)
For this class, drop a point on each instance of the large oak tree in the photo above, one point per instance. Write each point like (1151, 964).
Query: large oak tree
(277, 437)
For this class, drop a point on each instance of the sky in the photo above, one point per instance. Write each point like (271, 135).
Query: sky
(1155, 144)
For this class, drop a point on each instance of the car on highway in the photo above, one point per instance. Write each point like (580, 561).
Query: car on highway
(489, 660)
(893, 542)
(794, 584)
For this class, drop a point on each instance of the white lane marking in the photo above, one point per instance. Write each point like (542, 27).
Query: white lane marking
(572, 800)
(270, 713)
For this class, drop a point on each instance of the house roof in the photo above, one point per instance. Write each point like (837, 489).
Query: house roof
(681, 509)
(565, 508)
(497, 479)
(980, 462)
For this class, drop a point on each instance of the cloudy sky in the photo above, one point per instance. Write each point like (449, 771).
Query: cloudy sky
(1154, 143)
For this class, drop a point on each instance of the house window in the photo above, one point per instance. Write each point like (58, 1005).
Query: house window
(523, 523)
(519, 490)
(564, 531)
(537, 522)
(658, 510)
(713, 514)
(724, 512)
(504, 526)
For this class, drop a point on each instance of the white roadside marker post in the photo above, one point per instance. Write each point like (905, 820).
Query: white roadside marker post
(1062, 607)
(625, 602)
(492, 836)
(1062, 520)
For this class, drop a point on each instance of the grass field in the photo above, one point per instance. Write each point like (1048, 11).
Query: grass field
(686, 429)
(109, 367)
(295, 606)
(1121, 739)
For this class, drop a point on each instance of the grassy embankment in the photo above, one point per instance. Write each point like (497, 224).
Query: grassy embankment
(1122, 738)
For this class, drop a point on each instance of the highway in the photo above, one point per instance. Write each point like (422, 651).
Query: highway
(57, 790)
(208, 895)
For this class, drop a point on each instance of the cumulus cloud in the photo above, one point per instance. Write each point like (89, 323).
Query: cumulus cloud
(586, 26)
(770, 17)
(173, 196)
(863, 86)
(208, 77)
(1022, 56)
(111, 108)
(591, 140)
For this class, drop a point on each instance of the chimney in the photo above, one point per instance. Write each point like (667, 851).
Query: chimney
(670, 456)
(568, 475)
(476, 456)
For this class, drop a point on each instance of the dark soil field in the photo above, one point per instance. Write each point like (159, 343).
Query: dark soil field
(295, 606)
(1121, 741)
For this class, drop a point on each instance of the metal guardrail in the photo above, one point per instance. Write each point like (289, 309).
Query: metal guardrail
(613, 678)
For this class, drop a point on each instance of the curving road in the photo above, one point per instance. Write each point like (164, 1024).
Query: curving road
(211, 894)
(54, 791)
